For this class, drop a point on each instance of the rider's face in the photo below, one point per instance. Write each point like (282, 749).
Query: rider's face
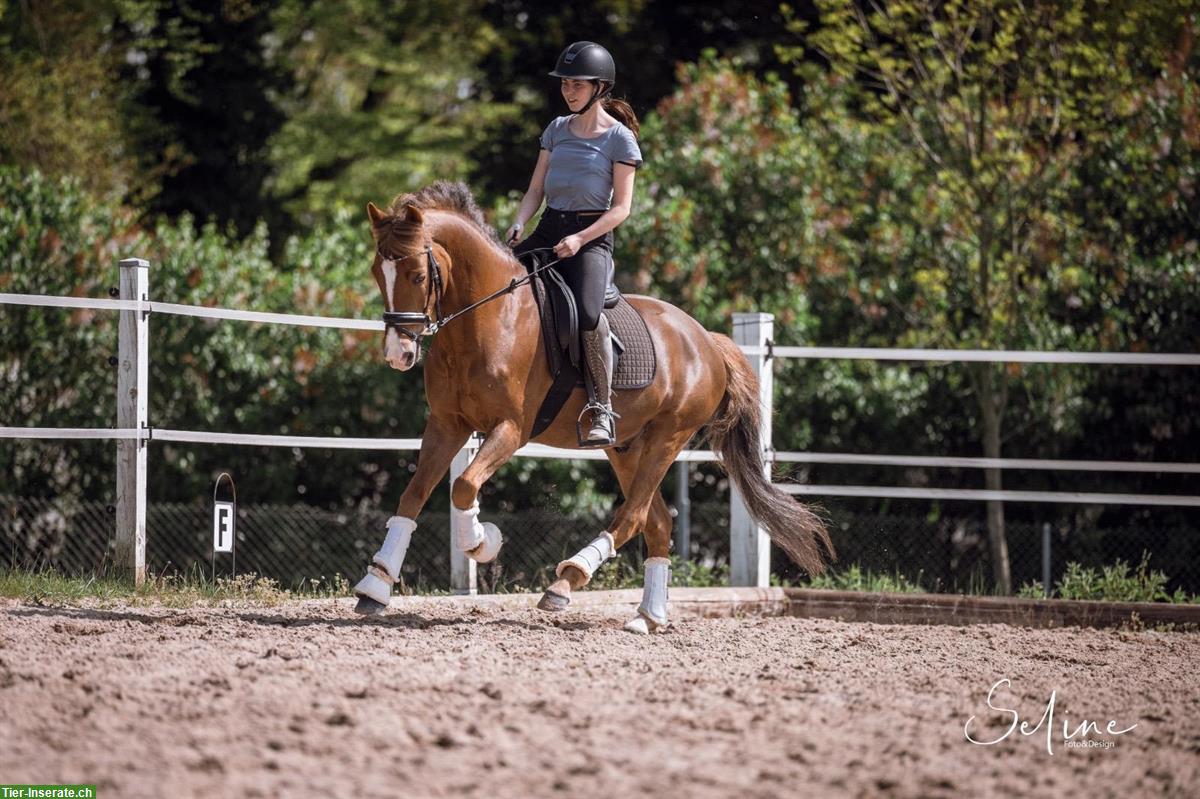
(576, 93)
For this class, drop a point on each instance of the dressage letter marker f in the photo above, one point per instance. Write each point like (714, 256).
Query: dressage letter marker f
(223, 527)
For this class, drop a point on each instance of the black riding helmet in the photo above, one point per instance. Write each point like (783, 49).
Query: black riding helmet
(587, 61)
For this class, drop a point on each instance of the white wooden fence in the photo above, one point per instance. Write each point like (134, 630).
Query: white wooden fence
(754, 332)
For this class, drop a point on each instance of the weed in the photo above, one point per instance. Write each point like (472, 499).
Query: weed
(855, 578)
(1114, 583)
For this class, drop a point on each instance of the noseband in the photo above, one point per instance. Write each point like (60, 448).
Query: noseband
(397, 320)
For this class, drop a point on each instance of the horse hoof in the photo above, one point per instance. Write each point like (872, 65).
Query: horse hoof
(553, 602)
(490, 548)
(640, 625)
(369, 607)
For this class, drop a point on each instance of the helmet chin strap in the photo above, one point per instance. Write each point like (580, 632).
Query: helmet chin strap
(598, 94)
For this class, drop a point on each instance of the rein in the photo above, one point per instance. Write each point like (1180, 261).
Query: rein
(394, 319)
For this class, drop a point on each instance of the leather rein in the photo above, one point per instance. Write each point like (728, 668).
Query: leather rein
(398, 319)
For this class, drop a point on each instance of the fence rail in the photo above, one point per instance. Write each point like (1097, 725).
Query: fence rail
(985, 495)
(976, 356)
(749, 546)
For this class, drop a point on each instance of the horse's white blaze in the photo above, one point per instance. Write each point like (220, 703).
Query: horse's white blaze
(389, 283)
(393, 345)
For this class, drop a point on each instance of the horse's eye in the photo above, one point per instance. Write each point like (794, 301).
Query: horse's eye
(418, 280)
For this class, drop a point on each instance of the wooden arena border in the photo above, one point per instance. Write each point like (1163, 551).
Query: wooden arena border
(954, 609)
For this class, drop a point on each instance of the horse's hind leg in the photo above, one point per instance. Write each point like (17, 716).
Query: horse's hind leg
(652, 612)
(640, 471)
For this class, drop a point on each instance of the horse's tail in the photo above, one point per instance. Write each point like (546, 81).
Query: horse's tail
(733, 433)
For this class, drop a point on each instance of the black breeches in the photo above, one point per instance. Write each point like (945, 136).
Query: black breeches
(587, 272)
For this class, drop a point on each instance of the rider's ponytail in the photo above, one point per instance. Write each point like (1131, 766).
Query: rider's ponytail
(623, 111)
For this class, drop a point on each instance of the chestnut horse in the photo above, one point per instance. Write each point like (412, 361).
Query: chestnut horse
(486, 371)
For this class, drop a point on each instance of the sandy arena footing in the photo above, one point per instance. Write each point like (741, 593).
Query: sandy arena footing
(484, 697)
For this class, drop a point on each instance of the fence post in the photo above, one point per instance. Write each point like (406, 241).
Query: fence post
(683, 510)
(749, 545)
(1046, 559)
(462, 568)
(133, 400)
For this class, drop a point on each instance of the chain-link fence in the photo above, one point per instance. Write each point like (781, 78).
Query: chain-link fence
(297, 543)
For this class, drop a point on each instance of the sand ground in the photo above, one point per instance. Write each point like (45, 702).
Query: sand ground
(436, 699)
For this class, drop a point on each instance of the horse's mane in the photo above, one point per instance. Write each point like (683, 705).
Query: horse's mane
(446, 195)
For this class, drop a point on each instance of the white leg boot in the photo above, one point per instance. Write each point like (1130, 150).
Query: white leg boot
(590, 558)
(587, 560)
(384, 570)
(480, 542)
(652, 613)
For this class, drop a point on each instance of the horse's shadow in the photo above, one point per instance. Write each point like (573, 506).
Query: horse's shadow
(180, 618)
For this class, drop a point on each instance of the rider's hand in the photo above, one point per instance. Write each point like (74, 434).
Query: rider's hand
(514, 233)
(568, 246)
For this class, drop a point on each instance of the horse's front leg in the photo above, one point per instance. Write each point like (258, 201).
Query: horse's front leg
(439, 444)
(481, 541)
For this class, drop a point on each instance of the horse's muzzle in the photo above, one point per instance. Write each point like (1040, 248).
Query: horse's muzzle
(399, 351)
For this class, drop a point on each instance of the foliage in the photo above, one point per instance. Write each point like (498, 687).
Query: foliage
(648, 39)
(210, 375)
(624, 572)
(721, 199)
(383, 99)
(854, 578)
(980, 121)
(1115, 583)
(203, 89)
(1035, 189)
(60, 103)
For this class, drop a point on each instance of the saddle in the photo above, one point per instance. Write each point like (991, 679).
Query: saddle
(635, 362)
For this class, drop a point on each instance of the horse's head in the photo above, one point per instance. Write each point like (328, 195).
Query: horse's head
(404, 271)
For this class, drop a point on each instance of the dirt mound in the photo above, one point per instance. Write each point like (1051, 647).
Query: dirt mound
(436, 699)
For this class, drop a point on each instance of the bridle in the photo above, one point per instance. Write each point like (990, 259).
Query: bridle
(395, 320)
(398, 319)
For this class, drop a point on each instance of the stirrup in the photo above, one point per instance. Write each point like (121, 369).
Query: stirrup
(601, 414)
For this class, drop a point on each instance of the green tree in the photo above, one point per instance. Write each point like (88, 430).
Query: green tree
(996, 105)
(722, 199)
(204, 94)
(384, 99)
(61, 103)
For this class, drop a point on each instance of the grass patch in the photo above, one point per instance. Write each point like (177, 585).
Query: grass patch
(193, 589)
(854, 578)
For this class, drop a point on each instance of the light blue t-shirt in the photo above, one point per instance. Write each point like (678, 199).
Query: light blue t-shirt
(580, 177)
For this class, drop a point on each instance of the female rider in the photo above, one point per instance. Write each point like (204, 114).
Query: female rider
(585, 173)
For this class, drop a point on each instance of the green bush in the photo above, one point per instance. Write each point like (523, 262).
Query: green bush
(204, 375)
(1113, 583)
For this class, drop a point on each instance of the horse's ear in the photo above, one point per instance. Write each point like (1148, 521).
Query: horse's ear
(375, 214)
(413, 214)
